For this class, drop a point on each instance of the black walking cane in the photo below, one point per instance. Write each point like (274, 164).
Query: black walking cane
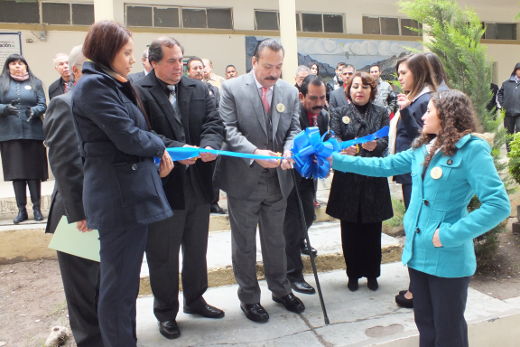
(311, 254)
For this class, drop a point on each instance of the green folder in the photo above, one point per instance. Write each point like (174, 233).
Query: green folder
(68, 239)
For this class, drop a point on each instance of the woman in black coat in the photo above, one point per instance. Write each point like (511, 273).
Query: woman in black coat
(360, 202)
(24, 159)
(122, 190)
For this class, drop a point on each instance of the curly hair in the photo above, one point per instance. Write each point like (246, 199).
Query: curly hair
(366, 80)
(457, 116)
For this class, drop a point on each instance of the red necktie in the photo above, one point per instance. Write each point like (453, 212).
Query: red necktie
(264, 99)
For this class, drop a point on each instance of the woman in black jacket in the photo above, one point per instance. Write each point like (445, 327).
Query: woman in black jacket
(24, 159)
(122, 190)
(360, 202)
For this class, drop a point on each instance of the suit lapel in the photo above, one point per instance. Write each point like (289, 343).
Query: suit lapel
(166, 107)
(184, 95)
(258, 108)
(275, 115)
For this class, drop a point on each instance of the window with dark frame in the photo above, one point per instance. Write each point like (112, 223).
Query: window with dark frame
(390, 26)
(166, 17)
(55, 13)
(371, 25)
(267, 20)
(500, 31)
(139, 16)
(19, 12)
(312, 22)
(82, 14)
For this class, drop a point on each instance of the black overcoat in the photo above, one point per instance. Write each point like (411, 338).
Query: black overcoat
(357, 198)
(122, 186)
(199, 125)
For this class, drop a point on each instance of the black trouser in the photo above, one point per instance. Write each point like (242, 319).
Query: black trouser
(189, 228)
(512, 125)
(361, 243)
(293, 229)
(407, 194)
(20, 192)
(438, 306)
(81, 285)
(121, 258)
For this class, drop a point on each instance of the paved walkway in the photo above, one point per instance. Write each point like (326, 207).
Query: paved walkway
(360, 318)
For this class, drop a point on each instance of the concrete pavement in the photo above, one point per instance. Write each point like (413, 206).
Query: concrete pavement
(361, 318)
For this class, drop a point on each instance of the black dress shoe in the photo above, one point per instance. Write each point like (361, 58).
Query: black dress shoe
(169, 329)
(215, 208)
(255, 312)
(37, 213)
(353, 284)
(205, 310)
(291, 303)
(306, 250)
(372, 283)
(22, 215)
(303, 287)
(402, 301)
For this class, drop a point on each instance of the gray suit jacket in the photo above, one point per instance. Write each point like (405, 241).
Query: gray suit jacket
(337, 98)
(245, 121)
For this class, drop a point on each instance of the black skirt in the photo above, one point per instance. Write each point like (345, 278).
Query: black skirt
(24, 160)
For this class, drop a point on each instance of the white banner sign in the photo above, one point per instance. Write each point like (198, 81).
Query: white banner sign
(9, 43)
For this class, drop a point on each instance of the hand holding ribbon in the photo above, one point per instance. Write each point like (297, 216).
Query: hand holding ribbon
(310, 152)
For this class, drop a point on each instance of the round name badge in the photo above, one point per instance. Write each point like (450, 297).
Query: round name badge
(28, 87)
(280, 108)
(436, 173)
(345, 119)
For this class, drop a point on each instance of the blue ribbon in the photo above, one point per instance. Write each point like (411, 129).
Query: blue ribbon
(310, 151)
(183, 153)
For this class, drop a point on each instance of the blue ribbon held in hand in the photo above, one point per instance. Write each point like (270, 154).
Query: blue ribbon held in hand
(310, 152)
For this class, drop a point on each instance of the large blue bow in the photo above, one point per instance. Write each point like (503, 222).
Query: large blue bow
(310, 152)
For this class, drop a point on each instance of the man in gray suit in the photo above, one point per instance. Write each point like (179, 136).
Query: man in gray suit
(261, 116)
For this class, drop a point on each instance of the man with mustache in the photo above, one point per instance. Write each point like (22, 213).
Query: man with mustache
(196, 71)
(261, 116)
(312, 101)
(183, 113)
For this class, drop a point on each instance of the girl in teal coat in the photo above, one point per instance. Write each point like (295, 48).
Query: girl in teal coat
(448, 166)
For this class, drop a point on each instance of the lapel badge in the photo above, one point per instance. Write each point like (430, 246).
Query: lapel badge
(280, 107)
(345, 119)
(436, 173)
(28, 87)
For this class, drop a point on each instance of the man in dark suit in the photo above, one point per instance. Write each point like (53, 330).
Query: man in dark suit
(338, 97)
(261, 115)
(312, 101)
(62, 84)
(182, 111)
(80, 276)
(136, 76)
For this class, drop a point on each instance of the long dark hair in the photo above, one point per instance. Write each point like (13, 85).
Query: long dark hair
(422, 73)
(439, 75)
(5, 77)
(102, 43)
(457, 116)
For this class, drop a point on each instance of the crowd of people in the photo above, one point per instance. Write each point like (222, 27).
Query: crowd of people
(104, 127)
